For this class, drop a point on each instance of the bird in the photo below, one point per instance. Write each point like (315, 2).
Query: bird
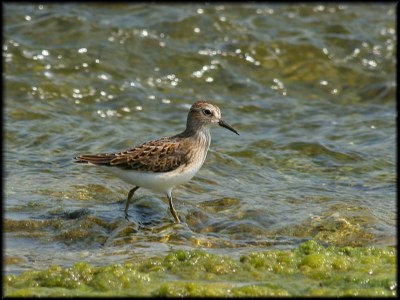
(160, 165)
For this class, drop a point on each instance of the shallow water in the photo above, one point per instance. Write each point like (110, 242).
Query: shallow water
(310, 88)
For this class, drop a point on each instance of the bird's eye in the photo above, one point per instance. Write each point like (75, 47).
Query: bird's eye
(207, 112)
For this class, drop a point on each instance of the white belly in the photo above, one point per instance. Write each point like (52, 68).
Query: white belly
(157, 182)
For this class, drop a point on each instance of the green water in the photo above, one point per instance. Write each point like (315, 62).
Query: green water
(310, 87)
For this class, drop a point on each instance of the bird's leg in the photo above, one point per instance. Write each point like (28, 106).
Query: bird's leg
(172, 209)
(130, 195)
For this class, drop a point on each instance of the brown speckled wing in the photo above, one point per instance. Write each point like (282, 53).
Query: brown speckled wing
(160, 155)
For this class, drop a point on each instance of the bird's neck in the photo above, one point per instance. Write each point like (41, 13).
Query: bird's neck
(201, 134)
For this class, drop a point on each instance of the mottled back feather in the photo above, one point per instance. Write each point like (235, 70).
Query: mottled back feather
(162, 155)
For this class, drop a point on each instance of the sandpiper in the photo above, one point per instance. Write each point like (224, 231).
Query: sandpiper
(160, 165)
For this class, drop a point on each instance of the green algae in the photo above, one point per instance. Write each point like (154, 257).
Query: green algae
(309, 270)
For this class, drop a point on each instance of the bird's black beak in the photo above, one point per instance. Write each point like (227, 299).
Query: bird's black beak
(227, 126)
